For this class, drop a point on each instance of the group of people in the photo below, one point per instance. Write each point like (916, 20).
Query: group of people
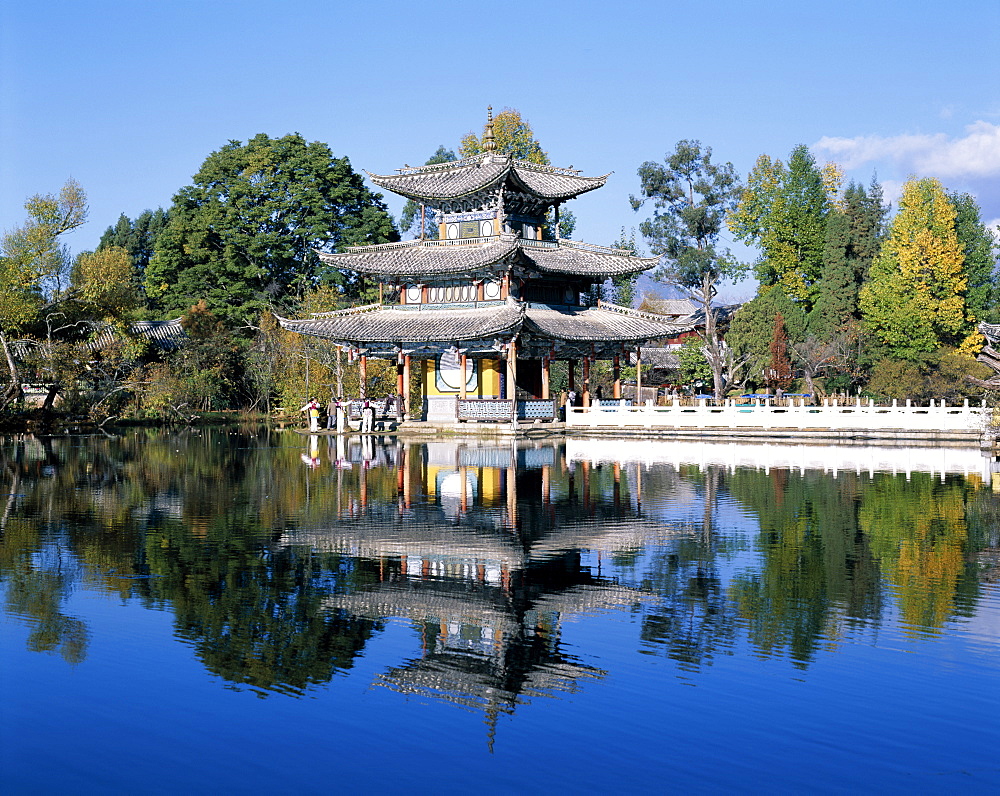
(337, 413)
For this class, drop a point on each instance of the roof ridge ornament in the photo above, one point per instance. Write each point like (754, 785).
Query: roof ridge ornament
(489, 142)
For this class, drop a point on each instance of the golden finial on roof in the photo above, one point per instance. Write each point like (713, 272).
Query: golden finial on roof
(489, 143)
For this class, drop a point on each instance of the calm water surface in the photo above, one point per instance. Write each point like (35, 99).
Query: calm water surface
(242, 611)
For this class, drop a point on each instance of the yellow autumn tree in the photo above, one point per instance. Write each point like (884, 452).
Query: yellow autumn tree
(513, 136)
(914, 301)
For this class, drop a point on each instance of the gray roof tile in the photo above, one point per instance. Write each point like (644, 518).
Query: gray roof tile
(443, 181)
(418, 259)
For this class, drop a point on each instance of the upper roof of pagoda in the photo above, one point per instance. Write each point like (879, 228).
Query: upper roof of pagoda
(417, 259)
(460, 178)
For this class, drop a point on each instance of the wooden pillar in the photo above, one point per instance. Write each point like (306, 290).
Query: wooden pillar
(399, 376)
(545, 377)
(461, 389)
(618, 378)
(638, 377)
(406, 385)
(586, 381)
(512, 370)
(363, 376)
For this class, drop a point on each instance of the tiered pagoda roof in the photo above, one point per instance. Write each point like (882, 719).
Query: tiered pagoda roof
(491, 210)
(385, 331)
(418, 259)
(461, 178)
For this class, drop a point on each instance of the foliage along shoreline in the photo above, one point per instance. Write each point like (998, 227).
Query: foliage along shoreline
(850, 301)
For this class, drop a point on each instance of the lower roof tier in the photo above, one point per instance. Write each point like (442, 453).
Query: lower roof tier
(538, 329)
(428, 259)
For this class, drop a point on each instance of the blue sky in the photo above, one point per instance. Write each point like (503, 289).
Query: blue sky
(129, 98)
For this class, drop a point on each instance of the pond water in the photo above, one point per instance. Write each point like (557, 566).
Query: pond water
(245, 610)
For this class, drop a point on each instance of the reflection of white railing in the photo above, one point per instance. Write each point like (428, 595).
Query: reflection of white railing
(937, 416)
(968, 460)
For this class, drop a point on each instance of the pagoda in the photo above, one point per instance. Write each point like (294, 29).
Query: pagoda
(487, 307)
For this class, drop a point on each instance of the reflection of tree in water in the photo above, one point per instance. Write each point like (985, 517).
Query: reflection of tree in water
(35, 560)
(279, 574)
(919, 531)
(817, 568)
(694, 619)
(255, 616)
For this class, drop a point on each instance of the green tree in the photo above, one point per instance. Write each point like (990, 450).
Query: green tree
(914, 300)
(138, 238)
(982, 296)
(243, 237)
(693, 365)
(854, 231)
(752, 329)
(691, 197)
(410, 216)
(783, 210)
(33, 264)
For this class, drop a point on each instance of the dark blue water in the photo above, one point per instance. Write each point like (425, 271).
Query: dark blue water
(242, 611)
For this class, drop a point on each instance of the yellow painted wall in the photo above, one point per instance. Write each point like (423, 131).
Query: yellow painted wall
(489, 380)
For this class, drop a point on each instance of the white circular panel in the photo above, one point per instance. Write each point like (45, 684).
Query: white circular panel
(412, 294)
(486, 229)
(453, 232)
(491, 290)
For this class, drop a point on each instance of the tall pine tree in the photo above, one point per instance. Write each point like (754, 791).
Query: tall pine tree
(854, 231)
(982, 295)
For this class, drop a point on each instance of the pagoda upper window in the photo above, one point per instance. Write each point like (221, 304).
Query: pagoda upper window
(476, 228)
(452, 292)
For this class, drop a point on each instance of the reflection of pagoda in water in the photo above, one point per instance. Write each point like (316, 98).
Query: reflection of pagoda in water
(483, 551)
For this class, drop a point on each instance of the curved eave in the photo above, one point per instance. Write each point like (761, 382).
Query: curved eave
(554, 185)
(415, 259)
(397, 326)
(591, 262)
(598, 324)
(442, 184)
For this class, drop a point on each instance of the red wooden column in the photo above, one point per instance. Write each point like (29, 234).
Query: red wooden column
(618, 378)
(586, 381)
(363, 376)
(406, 386)
(545, 377)
(638, 377)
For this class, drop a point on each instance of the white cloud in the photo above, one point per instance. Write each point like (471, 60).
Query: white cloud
(974, 155)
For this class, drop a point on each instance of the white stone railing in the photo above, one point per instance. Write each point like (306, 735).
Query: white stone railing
(831, 458)
(937, 416)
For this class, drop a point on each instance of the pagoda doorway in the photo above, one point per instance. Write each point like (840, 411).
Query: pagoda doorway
(529, 378)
